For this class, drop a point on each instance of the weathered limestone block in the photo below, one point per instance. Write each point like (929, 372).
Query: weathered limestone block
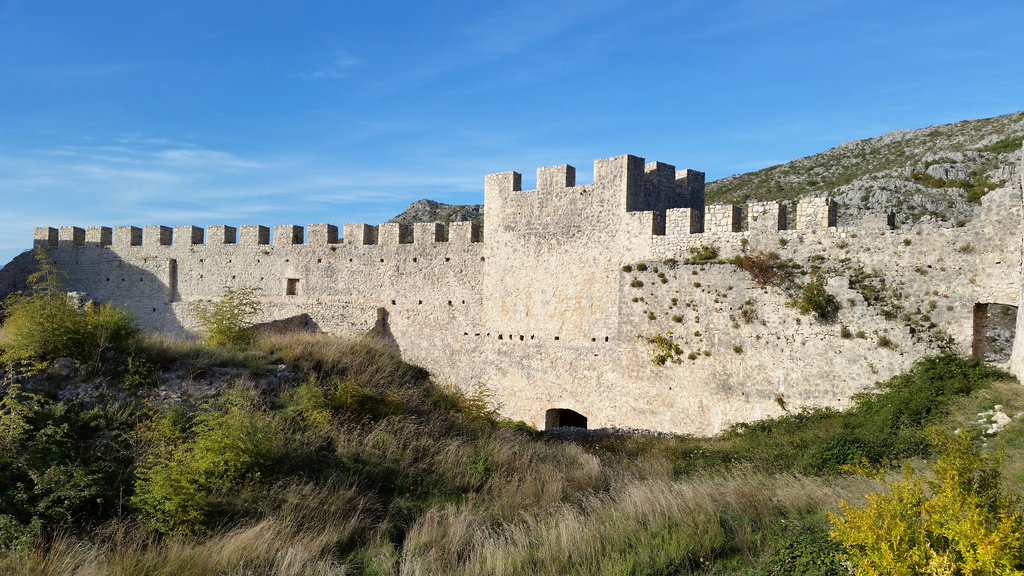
(503, 182)
(127, 236)
(72, 235)
(358, 234)
(98, 235)
(428, 232)
(45, 236)
(188, 235)
(288, 234)
(555, 177)
(322, 234)
(220, 234)
(812, 213)
(464, 232)
(683, 221)
(722, 218)
(254, 235)
(766, 216)
(880, 221)
(157, 235)
(392, 233)
(660, 172)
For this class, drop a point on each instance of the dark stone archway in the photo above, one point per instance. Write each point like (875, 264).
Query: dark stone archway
(564, 418)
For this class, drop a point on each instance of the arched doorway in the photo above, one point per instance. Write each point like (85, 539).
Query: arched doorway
(564, 418)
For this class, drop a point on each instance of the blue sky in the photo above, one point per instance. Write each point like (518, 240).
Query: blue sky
(223, 112)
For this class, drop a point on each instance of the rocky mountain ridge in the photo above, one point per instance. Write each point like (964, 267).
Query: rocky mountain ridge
(431, 211)
(940, 171)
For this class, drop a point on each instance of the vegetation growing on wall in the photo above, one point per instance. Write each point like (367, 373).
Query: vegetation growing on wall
(765, 268)
(815, 299)
(702, 253)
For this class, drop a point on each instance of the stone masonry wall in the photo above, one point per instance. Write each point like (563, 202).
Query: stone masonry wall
(555, 302)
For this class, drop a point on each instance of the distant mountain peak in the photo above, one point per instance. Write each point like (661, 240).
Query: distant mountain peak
(430, 211)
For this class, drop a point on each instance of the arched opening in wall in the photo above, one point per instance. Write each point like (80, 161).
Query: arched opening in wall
(172, 279)
(994, 330)
(564, 417)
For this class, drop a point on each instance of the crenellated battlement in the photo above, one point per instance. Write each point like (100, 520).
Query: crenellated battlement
(388, 233)
(633, 185)
(762, 217)
(552, 310)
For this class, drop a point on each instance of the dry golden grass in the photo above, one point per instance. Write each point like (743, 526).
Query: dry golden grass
(655, 526)
(269, 547)
(365, 360)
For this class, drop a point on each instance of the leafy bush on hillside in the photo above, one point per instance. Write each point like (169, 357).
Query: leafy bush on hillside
(62, 464)
(976, 186)
(44, 323)
(960, 523)
(1011, 144)
(191, 459)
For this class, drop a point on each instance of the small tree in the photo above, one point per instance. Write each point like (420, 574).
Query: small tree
(229, 321)
(960, 523)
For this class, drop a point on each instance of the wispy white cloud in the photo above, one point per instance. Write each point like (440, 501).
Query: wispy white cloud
(142, 181)
(341, 64)
(505, 31)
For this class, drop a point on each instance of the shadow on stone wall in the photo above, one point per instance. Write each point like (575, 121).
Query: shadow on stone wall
(382, 330)
(15, 273)
(298, 323)
(98, 274)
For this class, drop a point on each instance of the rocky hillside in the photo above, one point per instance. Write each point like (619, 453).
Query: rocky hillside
(430, 211)
(940, 171)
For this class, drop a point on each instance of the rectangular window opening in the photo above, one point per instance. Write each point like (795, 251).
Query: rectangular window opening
(292, 287)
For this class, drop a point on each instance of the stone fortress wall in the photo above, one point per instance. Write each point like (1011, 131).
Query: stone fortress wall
(546, 307)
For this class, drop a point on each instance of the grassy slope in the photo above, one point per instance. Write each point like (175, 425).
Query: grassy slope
(369, 468)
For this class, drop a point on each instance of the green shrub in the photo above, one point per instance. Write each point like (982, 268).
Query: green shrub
(960, 523)
(229, 321)
(641, 267)
(64, 466)
(804, 549)
(1010, 144)
(814, 299)
(663, 348)
(45, 323)
(703, 253)
(190, 461)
